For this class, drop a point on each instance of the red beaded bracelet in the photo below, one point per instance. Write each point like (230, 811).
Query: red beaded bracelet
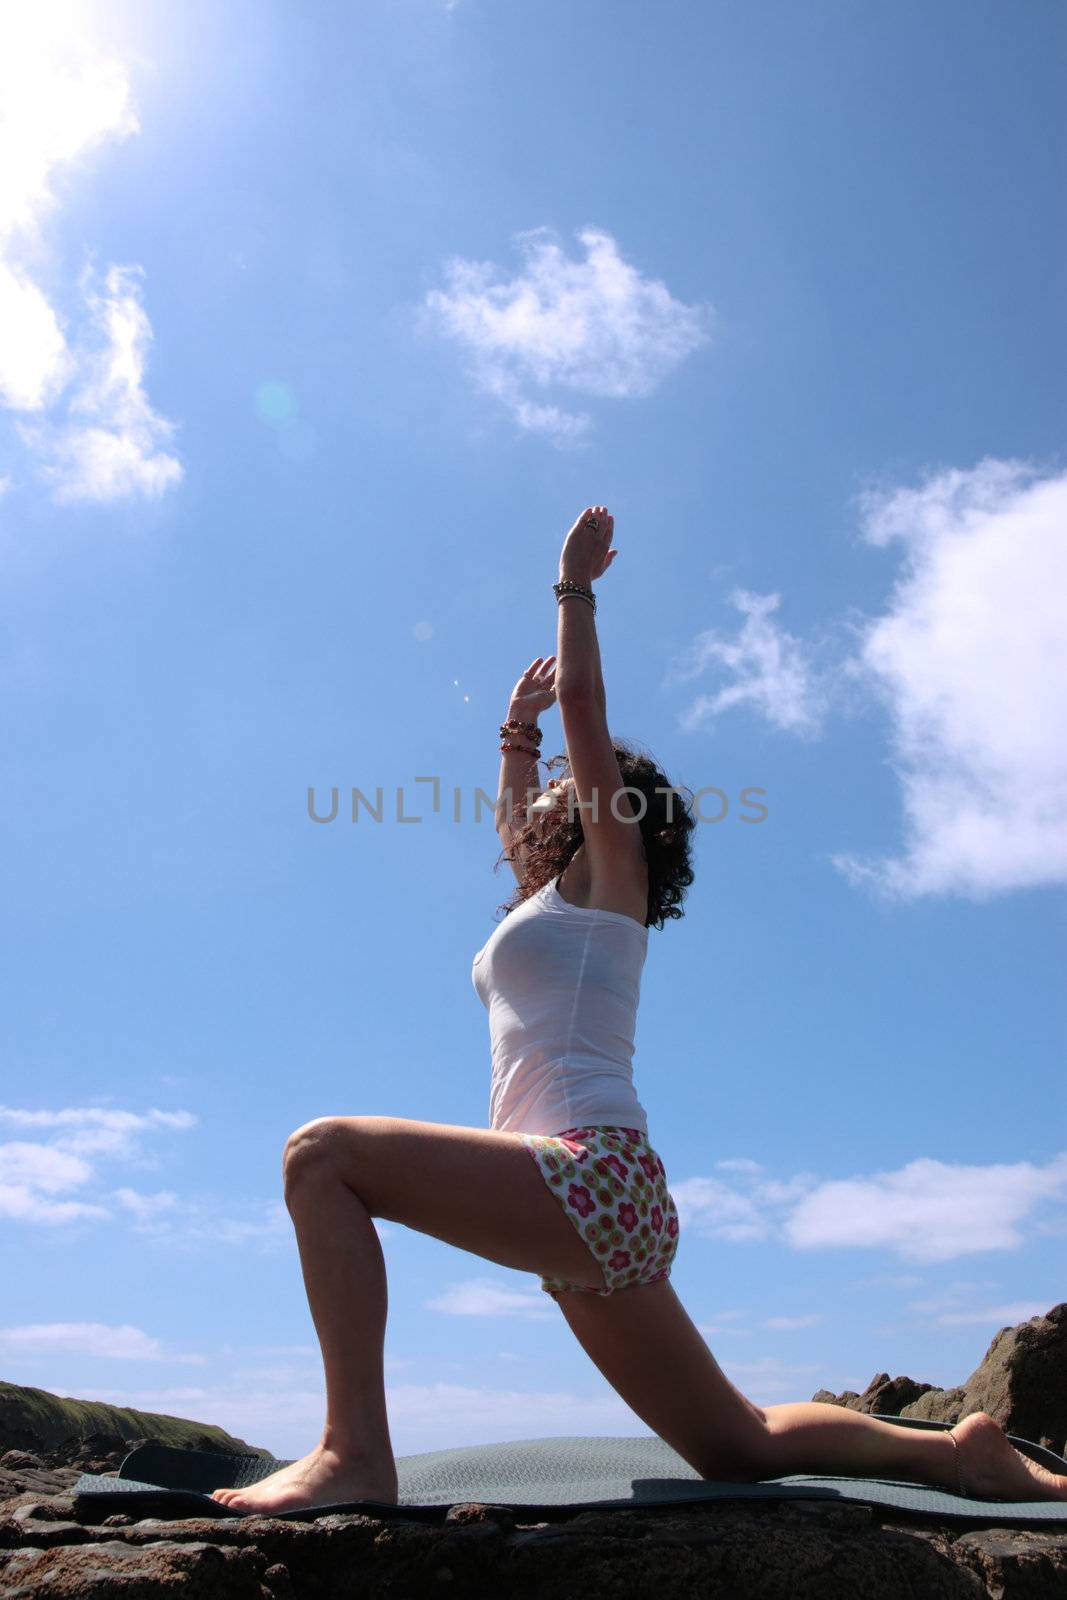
(529, 729)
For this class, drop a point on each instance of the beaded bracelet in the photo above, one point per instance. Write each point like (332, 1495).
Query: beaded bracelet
(571, 586)
(507, 745)
(513, 725)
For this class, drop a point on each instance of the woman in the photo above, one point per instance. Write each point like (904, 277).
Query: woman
(590, 1212)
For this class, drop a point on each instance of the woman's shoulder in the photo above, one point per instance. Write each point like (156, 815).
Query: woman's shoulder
(623, 891)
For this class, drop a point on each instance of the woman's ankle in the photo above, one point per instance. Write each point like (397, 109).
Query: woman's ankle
(354, 1452)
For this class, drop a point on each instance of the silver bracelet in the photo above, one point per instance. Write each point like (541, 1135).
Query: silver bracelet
(575, 594)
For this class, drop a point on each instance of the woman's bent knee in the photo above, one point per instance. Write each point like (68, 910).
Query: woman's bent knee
(306, 1149)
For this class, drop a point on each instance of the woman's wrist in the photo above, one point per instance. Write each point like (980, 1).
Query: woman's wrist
(517, 712)
(519, 776)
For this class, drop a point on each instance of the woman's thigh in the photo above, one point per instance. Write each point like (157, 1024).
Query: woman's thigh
(474, 1188)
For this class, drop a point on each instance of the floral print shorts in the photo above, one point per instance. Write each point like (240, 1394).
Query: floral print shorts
(613, 1186)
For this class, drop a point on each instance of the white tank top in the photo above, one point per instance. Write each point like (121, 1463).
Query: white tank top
(561, 985)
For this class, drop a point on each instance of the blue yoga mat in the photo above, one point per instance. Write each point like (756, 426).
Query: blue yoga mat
(541, 1477)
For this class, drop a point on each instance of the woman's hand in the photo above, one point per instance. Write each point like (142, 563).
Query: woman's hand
(535, 690)
(585, 553)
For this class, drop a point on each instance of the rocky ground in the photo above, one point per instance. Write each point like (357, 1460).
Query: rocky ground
(759, 1551)
(745, 1551)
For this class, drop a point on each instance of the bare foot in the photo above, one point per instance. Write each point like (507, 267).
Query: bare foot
(990, 1465)
(321, 1478)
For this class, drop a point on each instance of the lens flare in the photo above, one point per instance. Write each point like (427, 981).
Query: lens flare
(275, 403)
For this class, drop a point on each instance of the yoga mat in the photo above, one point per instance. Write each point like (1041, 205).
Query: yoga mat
(539, 1477)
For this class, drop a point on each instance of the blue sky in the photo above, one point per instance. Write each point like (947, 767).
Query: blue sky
(318, 327)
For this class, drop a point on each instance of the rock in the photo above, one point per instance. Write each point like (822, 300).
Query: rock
(40, 1526)
(1015, 1563)
(1023, 1376)
(278, 1584)
(69, 1433)
(475, 1511)
(110, 1569)
(1021, 1381)
(35, 1484)
(847, 1397)
(812, 1550)
(950, 1405)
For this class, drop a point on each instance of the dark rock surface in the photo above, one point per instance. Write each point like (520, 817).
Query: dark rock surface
(758, 1551)
(765, 1550)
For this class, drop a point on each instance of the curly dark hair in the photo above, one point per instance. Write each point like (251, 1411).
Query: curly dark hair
(544, 852)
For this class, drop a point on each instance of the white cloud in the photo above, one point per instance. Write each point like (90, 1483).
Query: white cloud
(957, 1308)
(970, 659)
(272, 1223)
(481, 1297)
(773, 672)
(62, 98)
(768, 1380)
(928, 1211)
(888, 1280)
(311, 1351)
(25, 1204)
(30, 1173)
(719, 1212)
(146, 1205)
(96, 1116)
(82, 1338)
(107, 448)
(41, 1167)
(95, 1130)
(592, 326)
(200, 1222)
(34, 360)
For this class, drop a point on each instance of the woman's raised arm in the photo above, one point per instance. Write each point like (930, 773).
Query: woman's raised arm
(606, 812)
